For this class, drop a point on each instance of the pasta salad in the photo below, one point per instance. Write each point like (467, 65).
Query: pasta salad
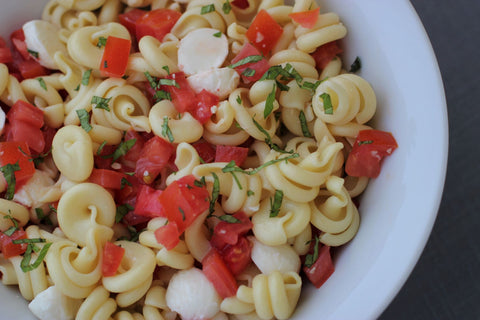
(175, 159)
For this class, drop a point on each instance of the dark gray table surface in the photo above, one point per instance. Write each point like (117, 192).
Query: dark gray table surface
(445, 283)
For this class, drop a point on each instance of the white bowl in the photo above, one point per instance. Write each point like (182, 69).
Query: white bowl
(399, 207)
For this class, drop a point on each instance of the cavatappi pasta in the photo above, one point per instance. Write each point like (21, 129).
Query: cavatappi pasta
(291, 116)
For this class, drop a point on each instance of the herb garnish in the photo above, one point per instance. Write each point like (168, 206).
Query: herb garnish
(42, 83)
(207, 9)
(215, 192)
(86, 77)
(166, 132)
(311, 258)
(8, 171)
(226, 8)
(102, 41)
(100, 102)
(269, 102)
(84, 117)
(122, 212)
(249, 59)
(356, 65)
(303, 123)
(276, 203)
(327, 103)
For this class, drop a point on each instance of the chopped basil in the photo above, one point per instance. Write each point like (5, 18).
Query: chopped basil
(102, 41)
(105, 64)
(10, 231)
(365, 142)
(250, 193)
(122, 212)
(226, 8)
(168, 82)
(217, 34)
(125, 76)
(84, 117)
(101, 103)
(311, 258)
(249, 59)
(215, 192)
(166, 69)
(123, 148)
(207, 9)
(124, 182)
(33, 53)
(236, 180)
(239, 100)
(356, 65)
(303, 123)
(166, 132)
(231, 167)
(42, 216)
(269, 102)
(37, 159)
(182, 212)
(279, 73)
(100, 148)
(25, 263)
(200, 183)
(162, 95)
(268, 138)
(77, 88)
(42, 83)
(8, 171)
(32, 240)
(248, 72)
(86, 77)
(276, 203)
(153, 81)
(229, 218)
(52, 208)
(13, 228)
(327, 103)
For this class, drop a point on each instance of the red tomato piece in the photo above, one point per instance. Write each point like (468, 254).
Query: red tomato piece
(5, 55)
(264, 32)
(148, 202)
(229, 153)
(156, 23)
(108, 179)
(132, 156)
(48, 134)
(218, 274)
(306, 19)
(321, 269)
(115, 57)
(26, 112)
(112, 258)
(205, 150)
(168, 235)
(31, 69)
(17, 38)
(153, 158)
(10, 249)
(226, 233)
(130, 18)
(183, 96)
(205, 101)
(103, 160)
(20, 131)
(238, 256)
(241, 4)
(325, 53)
(10, 153)
(260, 67)
(368, 151)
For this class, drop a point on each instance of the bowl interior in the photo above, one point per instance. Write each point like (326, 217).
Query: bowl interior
(399, 207)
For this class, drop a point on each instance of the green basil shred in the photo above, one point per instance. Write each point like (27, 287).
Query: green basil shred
(8, 171)
(84, 117)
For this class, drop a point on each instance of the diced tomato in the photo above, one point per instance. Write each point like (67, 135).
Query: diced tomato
(31, 69)
(115, 57)
(241, 4)
(48, 134)
(260, 66)
(306, 19)
(229, 153)
(183, 96)
(132, 156)
(184, 201)
(130, 18)
(128, 194)
(370, 147)
(10, 153)
(218, 274)
(325, 53)
(103, 160)
(5, 55)
(168, 235)
(24, 111)
(10, 249)
(205, 101)
(156, 23)
(264, 32)
(226, 233)
(321, 269)
(20, 131)
(153, 158)
(17, 38)
(238, 256)
(148, 202)
(108, 179)
(112, 258)
(205, 150)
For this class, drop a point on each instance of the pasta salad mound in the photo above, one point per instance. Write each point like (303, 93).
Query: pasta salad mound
(176, 159)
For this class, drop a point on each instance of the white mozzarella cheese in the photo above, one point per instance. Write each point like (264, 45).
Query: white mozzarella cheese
(51, 304)
(192, 295)
(42, 37)
(201, 50)
(220, 82)
(281, 258)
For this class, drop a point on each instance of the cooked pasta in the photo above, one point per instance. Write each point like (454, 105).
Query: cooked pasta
(186, 168)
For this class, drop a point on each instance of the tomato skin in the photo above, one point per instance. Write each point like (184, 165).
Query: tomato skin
(148, 202)
(229, 153)
(238, 256)
(129, 19)
(368, 151)
(260, 67)
(183, 96)
(31, 69)
(218, 274)
(132, 156)
(10, 153)
(325, 53)
(306, 19)
(264, 32)
(241, 4)
(321, 269)
(156, 23)
(10, 249)
(17, 38)
(111, 259)
(108, 179)
(205, 101)
(25, 122)
(5, 53)
(115, 57)
(154, 156)
(226, 233)
(168, 235)
(24, 111)
(206, 151)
